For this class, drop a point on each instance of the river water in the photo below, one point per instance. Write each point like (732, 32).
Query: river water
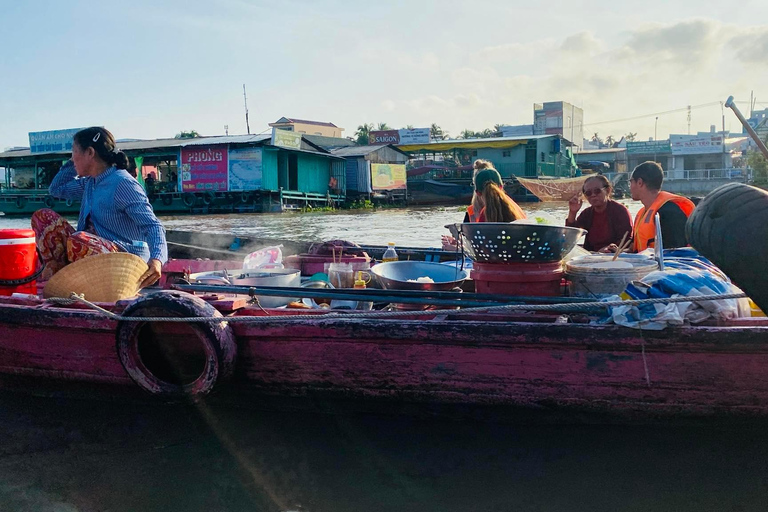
(411, 227)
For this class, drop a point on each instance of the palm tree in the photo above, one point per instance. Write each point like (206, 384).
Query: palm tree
(596, 139)
(609, 141)
(362, 135)
(437, 133)
(630, 137)
(497, 130)
(408, 127)
(383, 126)
(467, 134)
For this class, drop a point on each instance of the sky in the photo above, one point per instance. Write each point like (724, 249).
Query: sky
(151, 68)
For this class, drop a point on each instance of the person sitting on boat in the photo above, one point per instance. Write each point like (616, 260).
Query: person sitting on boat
(605, 220)
(115, 214)
(497, 205)
(645, 186)
(473, 210)
(490, 187)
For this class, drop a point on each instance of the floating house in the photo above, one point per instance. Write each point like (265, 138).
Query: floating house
(375, 171)
(202, 174)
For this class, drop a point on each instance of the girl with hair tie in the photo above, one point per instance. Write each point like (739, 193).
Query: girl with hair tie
(115, 214)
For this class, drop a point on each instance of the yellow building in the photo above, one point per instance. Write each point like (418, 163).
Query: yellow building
(308, 127)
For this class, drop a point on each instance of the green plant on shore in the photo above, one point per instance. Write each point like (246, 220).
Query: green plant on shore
(759, 165)
(361, 204)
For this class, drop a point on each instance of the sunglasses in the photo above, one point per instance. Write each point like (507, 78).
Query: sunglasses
(593, 191)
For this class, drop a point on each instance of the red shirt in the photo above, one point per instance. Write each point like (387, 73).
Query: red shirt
(599, 234)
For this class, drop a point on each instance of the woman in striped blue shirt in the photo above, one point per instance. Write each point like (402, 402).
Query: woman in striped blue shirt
(115, 214)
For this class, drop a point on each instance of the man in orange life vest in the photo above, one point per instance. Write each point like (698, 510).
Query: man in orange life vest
(673, 210)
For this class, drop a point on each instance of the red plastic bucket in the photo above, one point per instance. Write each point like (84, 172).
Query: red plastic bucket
(18, 260)
(525, 279)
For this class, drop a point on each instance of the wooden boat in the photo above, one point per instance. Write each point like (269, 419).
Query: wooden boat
(540, 361)
(189, 244)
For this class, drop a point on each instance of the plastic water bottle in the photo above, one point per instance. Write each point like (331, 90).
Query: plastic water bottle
(390, 254)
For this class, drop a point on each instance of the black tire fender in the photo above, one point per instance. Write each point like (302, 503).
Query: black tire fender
(144, 355)
(189, 199)
(730, 228)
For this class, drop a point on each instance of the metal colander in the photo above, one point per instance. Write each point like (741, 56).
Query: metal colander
(502, 242)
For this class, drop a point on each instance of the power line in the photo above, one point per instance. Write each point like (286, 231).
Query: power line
(683, 109)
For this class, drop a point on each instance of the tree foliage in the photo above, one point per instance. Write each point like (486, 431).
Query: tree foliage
(362, 135)
(191, 134)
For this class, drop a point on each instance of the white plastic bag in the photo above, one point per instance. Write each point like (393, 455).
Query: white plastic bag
(268, 257)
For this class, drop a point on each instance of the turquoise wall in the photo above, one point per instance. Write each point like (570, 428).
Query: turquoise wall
(269, 169)
(314, 173)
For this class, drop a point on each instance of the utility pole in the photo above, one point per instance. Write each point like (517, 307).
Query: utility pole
(722, 111)
(689, 119)
(245, 99)
(226, 129)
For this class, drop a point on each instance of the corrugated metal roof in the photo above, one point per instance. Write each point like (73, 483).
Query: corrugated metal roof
(302, 121)
(328, 142)
(134, 145)
(354, 151)
(598, 151)
(493, 142)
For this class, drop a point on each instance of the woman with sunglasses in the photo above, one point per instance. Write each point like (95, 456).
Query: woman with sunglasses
(605, 220)
(115, 214)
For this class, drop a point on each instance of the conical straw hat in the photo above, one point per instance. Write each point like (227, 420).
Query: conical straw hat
(101, 278)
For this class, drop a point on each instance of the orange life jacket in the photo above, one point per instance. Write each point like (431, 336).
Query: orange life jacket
(471, 214)
(645, 223)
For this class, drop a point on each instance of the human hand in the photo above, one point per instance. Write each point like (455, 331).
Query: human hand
(609, 248)
(574, 204)
(449, 243)
(152, 275)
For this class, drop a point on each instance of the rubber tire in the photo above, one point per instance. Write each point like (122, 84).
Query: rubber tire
(189, 199)
(217, 340)
(69, 203)
(245, 198)
(49, 202)
(167, 200)
(730, 228)
(208, 198)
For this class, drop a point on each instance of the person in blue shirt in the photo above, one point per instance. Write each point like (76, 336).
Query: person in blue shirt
(115, 214)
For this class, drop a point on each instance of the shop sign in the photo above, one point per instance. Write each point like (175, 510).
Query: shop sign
(696, 144)
(245, 169)
(53, 140)
(648, 148)
(286, 139)
(204, 169)
(381, 137)
(388, 176)
(414, 136)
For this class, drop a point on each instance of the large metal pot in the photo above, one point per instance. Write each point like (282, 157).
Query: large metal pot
(266, 277)
(395, 275)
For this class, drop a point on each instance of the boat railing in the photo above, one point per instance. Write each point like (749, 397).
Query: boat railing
(731, 173)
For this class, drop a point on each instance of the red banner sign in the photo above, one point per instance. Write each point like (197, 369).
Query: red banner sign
(204, 169)
(382, 137)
